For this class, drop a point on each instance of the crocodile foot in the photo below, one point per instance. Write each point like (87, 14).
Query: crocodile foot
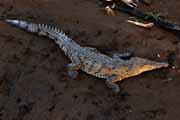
(110, 82)
(73, 70)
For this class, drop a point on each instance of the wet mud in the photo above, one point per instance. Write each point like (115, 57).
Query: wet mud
(33, 79)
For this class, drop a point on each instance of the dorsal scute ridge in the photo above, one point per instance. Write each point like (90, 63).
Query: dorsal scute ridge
(53, 32)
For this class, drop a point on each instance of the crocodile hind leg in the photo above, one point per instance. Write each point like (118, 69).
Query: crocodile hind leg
(74, 66)
(73, 70)
(111, 84)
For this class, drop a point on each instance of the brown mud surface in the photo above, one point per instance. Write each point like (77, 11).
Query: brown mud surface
(33, 80)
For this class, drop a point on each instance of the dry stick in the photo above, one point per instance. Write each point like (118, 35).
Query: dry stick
(109, 11)
(145, 25)
(157, 20)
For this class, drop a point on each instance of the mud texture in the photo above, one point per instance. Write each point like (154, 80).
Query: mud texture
(33, 79)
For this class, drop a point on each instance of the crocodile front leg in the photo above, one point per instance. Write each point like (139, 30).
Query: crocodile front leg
(112, 85)
(123, 56)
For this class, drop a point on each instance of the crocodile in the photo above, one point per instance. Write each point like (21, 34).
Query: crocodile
(110, 68)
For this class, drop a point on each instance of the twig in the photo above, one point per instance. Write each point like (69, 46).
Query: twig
(148, 16)
(145, 25)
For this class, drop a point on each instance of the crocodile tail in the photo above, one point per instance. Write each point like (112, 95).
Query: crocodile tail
(41, 29)
(23, 25)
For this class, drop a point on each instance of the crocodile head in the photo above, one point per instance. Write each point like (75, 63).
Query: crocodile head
(136, 66)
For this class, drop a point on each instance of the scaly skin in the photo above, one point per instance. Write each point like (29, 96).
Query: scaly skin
(89, 60)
